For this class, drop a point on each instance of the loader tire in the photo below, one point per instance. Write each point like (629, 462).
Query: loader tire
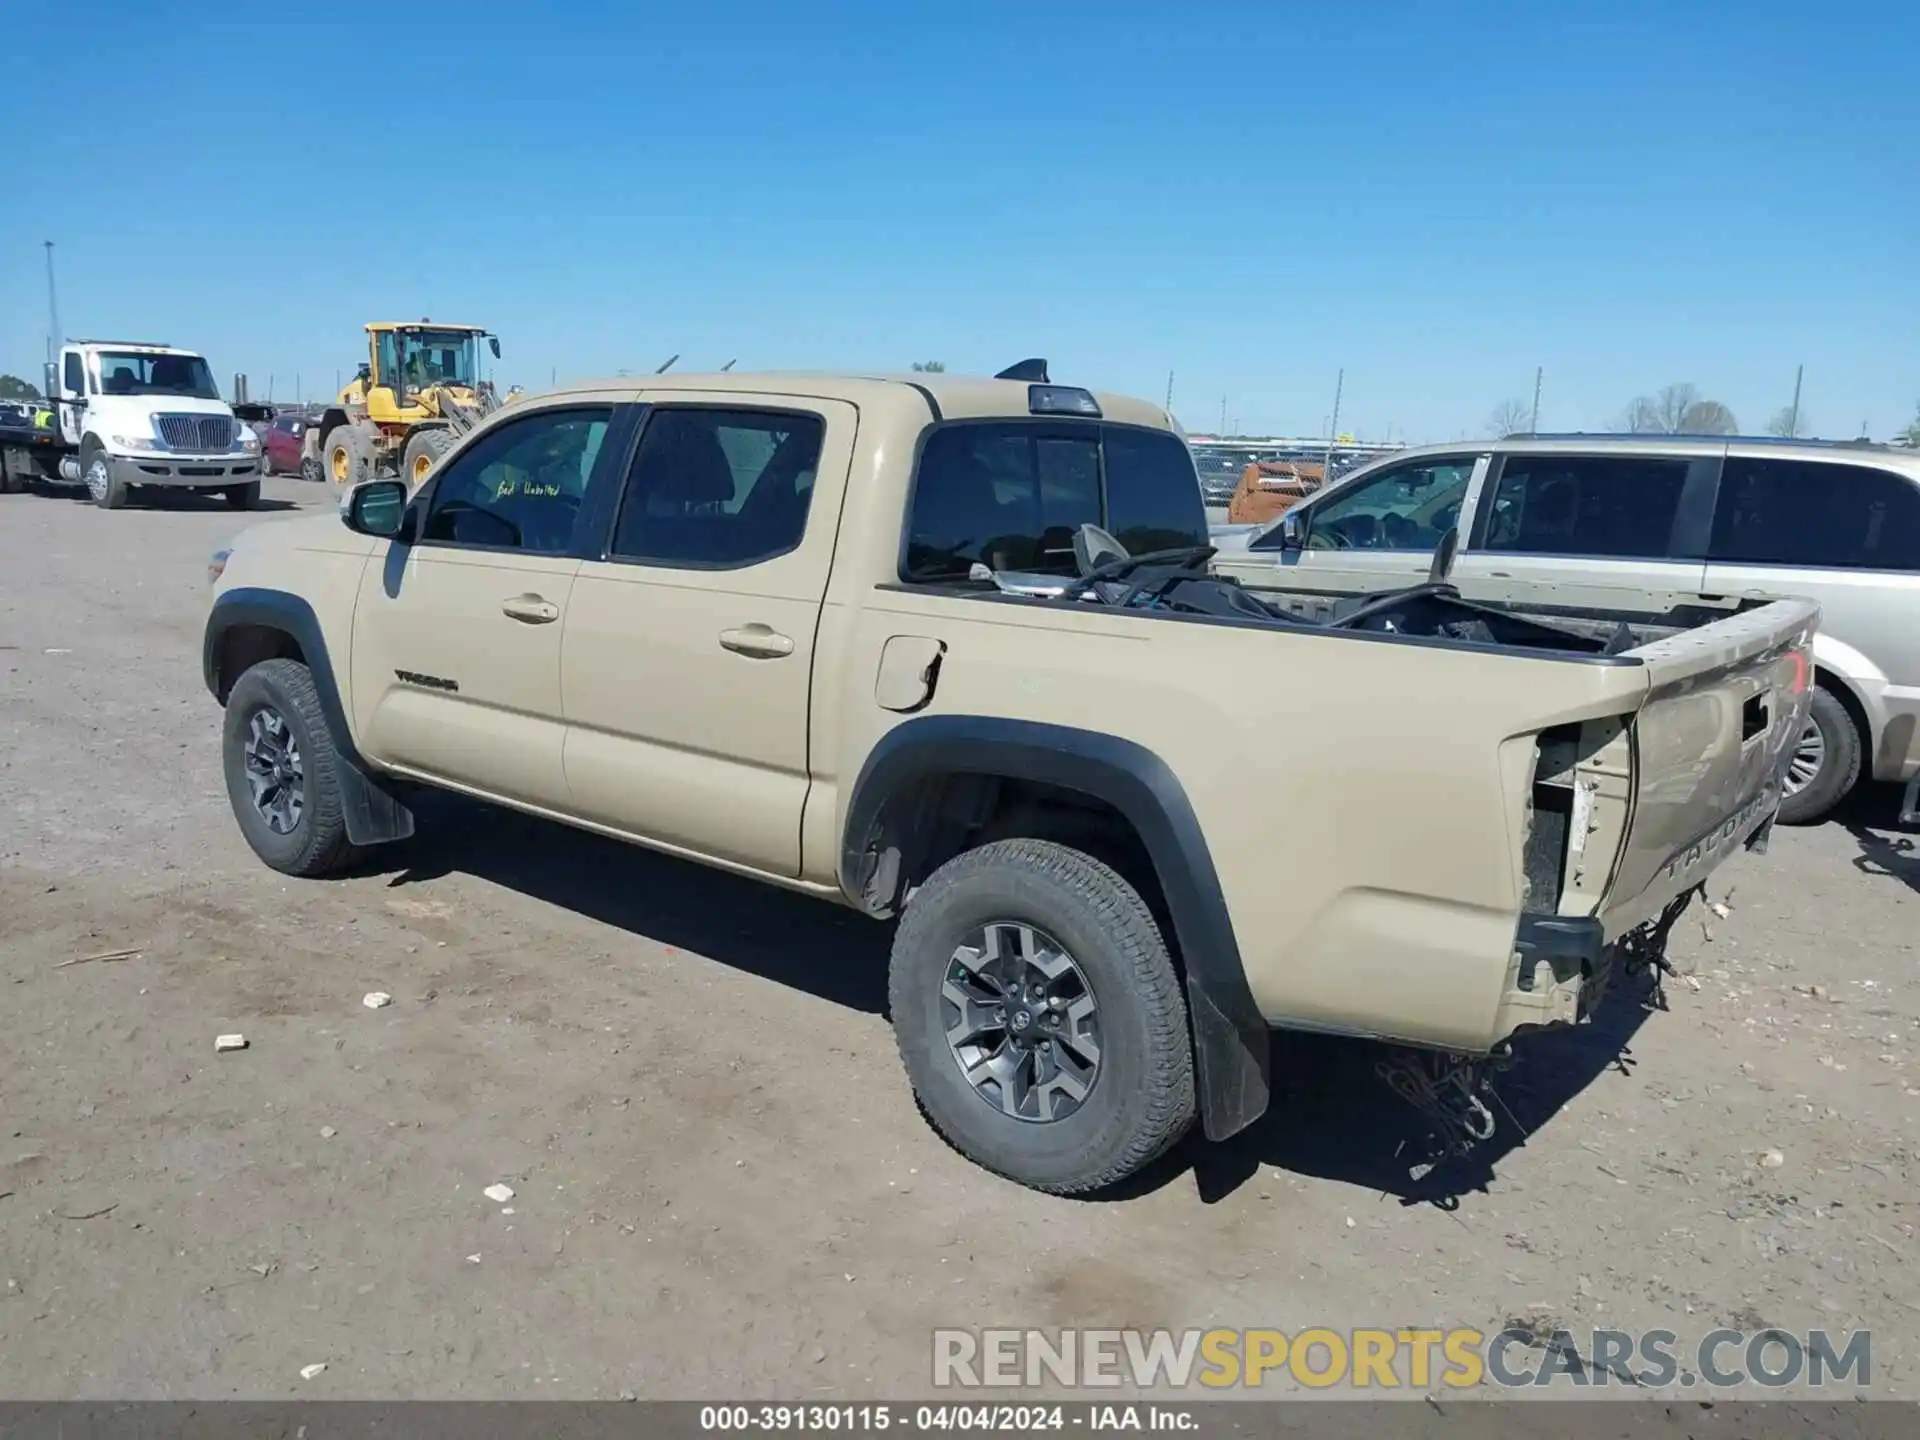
(347, 457)
(425, 446)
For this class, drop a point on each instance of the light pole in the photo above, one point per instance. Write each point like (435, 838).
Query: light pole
(53, 307)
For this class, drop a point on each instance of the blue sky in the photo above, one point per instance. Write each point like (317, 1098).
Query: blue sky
(1436, 197)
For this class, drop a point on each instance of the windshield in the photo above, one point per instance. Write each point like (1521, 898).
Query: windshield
(132, 372)
(439, 357)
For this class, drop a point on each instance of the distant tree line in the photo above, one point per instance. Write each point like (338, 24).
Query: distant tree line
(12, 387)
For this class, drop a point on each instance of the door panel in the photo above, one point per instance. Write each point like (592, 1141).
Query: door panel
(457, 638)
(1579, 530)
(447, 684)
(688, 655)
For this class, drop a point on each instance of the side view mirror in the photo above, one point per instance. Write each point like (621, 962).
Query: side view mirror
(493, 344)
(375, 507)
(1293, 530)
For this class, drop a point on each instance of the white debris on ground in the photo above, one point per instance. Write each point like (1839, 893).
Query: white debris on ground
(499, 1194)
(376, 1000)
(229, 1042)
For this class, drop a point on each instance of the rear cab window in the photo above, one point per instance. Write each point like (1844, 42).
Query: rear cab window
(1010, 494)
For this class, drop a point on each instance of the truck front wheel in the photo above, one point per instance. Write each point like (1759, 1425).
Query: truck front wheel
(1040, 1017)
(108, 490)
(282, 771)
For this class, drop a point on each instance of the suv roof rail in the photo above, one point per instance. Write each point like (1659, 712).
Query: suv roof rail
(1649, 437)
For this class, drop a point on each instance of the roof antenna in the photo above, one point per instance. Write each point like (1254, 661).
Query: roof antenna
(1033, 371)
(668, 366)
(726, 367)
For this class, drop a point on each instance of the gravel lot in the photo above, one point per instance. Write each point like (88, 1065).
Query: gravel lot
(723, 1188)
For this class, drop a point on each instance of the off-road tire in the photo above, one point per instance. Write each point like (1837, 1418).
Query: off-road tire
(110, 493)
(317, 845)
(429, 443)
(1142, 1098)
(244, 497)
(1839, 768)
(358, 460)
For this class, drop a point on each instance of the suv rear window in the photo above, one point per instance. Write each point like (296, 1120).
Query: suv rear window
(1011, 494)
(1807, 512)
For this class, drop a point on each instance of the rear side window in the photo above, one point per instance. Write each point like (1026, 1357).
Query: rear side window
(1011, 495)
(1804, 512)
(1590, 505)
(717, 489)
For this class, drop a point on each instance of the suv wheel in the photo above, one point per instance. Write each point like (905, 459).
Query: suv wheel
(281, 771)
(1825, 765)
(1039, 1017)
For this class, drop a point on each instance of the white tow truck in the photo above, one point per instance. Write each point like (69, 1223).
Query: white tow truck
(130, 415)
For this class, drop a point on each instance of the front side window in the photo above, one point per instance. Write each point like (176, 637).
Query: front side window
(132, 372)
(520, 486)
(73, 378)
(713, 488)
(1408, 507)
(1805, 512)
(1010, 495)
(1590, 505)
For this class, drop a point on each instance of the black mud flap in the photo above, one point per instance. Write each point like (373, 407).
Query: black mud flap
(374, 814)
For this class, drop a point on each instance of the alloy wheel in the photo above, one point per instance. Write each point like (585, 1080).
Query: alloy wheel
(1807, 758)
(275, 778)
(1021, 1022)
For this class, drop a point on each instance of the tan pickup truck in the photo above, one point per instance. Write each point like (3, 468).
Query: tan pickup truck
(947, 650)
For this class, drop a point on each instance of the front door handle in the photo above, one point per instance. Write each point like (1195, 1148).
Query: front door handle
(531, 609)
(762, 642)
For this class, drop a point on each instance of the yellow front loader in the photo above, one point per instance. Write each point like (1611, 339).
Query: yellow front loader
(418, 391)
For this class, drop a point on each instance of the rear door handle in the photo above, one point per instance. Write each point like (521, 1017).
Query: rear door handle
(762, 642)
(531, 609)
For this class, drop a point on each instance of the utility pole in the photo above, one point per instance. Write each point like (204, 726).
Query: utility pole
(1333, 426)
(1533, 425)
(1793, 415)
(1223, 415)
(299, 395)
(1169, 405)
(53, 307)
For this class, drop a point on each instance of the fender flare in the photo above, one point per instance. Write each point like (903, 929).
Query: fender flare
(1232, 1041)
(374, 812)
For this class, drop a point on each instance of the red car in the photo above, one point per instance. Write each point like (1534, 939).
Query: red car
(282, 448)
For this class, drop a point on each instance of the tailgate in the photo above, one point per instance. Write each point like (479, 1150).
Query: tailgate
(1725, 705)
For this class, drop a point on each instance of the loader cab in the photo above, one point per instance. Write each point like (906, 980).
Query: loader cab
(407, 362)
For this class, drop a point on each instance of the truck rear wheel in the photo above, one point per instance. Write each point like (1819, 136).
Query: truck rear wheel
(108, 490)
(1040, 1018)
(1825, 765)
(282, 771)
(424, 449)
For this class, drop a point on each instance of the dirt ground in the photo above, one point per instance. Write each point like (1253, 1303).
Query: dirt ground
(722, 1185)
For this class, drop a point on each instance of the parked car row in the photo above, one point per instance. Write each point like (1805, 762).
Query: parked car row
(1577, 517)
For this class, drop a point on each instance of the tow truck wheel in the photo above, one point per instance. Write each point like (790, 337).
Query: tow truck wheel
(423, 452)
(1040, 1018)
(108, 490)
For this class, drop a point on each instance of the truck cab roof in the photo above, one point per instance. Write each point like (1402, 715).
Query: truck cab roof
(947, 397)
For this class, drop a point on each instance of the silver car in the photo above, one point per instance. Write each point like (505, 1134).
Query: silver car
(1697, 517)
